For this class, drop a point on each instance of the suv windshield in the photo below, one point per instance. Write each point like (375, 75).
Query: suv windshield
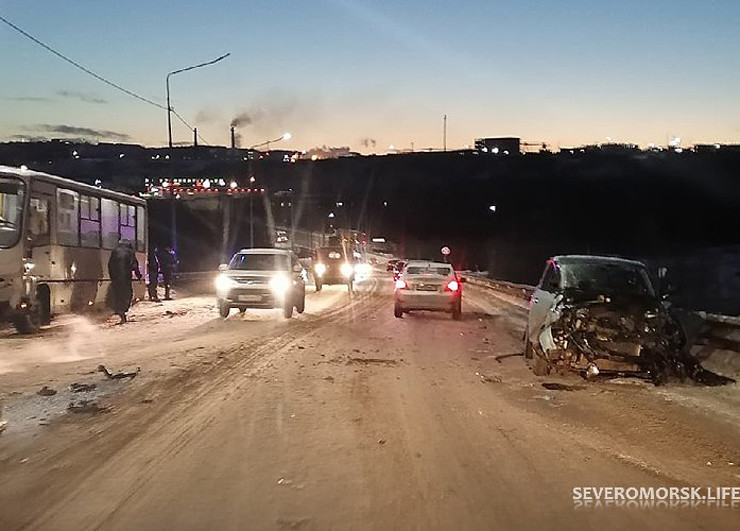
(11, 210)
(331, 254)
(260, 262)
(608, 278)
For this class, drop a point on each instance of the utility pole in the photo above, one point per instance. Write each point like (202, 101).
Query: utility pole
(444, 133)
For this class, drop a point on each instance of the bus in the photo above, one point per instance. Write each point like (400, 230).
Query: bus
(56, 236)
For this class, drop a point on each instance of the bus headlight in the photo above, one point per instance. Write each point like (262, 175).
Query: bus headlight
(319, 269)
(346, 270)
(280, 285)
(223, 283)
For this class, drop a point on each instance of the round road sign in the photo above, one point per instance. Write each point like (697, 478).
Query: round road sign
(445, 250)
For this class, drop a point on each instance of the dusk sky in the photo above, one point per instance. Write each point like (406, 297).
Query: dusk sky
(368, 74)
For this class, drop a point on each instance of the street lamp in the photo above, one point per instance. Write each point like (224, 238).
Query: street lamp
(251, 216)
(286, 136)
(169, 107)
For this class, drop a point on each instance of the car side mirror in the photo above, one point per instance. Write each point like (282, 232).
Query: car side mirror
(297, 268)
(223, 267)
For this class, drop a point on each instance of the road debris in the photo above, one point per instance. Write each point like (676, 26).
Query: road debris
(45, 391)
(82, 387)
(554, 386)
(488, 379)
(119, 375)
(85, 406)
(381, 441)
(367, 361)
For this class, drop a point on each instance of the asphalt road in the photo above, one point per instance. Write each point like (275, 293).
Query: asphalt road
(347, 418)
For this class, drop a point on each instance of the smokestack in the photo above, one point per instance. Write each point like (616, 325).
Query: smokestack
(195, 137)
(233, 138)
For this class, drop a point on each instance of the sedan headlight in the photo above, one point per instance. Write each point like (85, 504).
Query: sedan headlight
(346, 270)
(223, 283)
(319, 269)
(279, 284)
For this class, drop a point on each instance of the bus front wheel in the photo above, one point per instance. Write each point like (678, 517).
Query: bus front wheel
(27, 322)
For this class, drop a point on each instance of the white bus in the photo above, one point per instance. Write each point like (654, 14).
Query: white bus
(56, 236)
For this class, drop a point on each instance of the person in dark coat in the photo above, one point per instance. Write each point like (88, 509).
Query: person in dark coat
(121, 263)
(153, 272)
(167, 263)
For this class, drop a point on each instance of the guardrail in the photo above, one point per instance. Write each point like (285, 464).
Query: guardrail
(520, 291)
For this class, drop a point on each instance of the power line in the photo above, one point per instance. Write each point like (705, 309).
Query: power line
(77, 65)
(187, 124)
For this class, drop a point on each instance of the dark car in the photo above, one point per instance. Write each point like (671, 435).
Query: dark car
(333, 265)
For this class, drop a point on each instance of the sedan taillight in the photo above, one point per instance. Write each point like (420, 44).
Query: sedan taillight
(452, 285)
(401, 284)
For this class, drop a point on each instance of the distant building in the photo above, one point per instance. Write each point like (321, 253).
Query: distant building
(505, 145)
(717, 148)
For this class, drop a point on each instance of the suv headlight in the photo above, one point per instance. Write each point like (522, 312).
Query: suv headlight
(319, 269)
(346, 270)
(223, 283)
(280, 284)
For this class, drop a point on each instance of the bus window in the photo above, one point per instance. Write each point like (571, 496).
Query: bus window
(38, 221)
(89, 221)
(140, 229)
(128, 222)
(109, 223)
(67, 212)
(11, 210)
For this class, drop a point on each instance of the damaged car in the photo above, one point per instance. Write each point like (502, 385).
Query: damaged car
(599, 315)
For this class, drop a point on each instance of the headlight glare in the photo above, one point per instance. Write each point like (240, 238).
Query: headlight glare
(346, 270)
(319, 269)
(279, 285)
(223, 283)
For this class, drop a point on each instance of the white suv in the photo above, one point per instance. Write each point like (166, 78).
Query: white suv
(262, 278)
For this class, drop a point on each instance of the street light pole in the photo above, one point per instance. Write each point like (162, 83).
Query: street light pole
(286, 136)
(169, 107)
(251, 217)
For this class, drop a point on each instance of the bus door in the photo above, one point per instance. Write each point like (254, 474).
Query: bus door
(37, 247)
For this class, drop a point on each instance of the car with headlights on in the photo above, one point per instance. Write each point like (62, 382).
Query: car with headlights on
(333, 265)
(423, 285)
(262, 278)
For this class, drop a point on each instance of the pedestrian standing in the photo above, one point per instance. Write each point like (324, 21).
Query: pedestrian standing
(121, 264)
(167, 263)
(153, 273)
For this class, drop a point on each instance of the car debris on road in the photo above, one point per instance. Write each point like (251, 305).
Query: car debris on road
(119, 375)
(82, 387)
